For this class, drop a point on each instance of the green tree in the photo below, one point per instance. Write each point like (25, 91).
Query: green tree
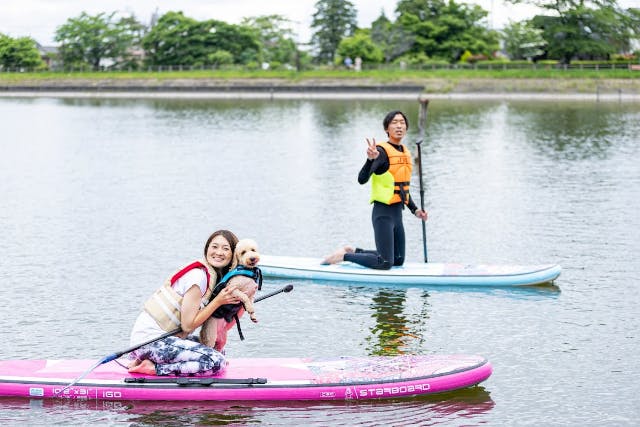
(88, 40)
(18, 53)
(168, 42)
(332, 21)
(445, 29)
(359, 45)
(177, 40)
(392, 39)
(275, 36)
(220, 57)
(523, 41)
(585, 28)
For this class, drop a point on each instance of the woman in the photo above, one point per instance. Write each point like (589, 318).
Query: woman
(389, 165)
(182, 302)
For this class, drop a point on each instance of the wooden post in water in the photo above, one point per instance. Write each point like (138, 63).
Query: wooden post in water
(422, 121)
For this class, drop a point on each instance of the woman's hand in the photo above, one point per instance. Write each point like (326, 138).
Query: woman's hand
(226, 296)
(422, 214)
(372, 149)
(192, 316)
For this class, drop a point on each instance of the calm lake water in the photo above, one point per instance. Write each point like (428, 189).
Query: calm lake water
(101, 199)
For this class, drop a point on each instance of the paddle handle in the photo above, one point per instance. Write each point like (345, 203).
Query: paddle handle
(287, 288)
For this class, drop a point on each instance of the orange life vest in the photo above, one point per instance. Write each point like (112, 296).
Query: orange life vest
(393, 185)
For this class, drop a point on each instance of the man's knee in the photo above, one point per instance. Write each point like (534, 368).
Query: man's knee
(383, 264)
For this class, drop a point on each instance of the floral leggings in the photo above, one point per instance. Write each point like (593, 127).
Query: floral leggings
(179, 356)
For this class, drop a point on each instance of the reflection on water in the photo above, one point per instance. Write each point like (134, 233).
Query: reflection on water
(432, 410)
(390, 324)
(577, 131)
(392, 330)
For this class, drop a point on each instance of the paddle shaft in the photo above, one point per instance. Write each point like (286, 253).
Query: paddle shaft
(424, 104)
(137, 346)
(116, 355)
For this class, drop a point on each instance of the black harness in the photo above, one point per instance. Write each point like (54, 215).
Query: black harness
(403, 191)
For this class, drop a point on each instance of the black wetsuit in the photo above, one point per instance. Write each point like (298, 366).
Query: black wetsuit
(387, 222)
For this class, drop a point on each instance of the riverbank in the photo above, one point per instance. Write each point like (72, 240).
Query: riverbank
(552, 88)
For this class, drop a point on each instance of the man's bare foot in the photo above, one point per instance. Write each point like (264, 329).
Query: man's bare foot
(336, 257)
(146, 367)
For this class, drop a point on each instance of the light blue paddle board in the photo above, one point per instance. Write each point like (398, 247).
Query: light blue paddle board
(411, 273)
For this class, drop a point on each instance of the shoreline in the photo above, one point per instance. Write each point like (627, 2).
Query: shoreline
(435, 88)
(323, 95)
(230, 95)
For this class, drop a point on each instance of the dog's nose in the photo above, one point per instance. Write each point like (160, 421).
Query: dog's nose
(253, 259)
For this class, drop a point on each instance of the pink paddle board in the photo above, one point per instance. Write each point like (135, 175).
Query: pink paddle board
(341, 378)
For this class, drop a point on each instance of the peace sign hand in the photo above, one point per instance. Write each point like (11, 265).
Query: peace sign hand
(372, 150)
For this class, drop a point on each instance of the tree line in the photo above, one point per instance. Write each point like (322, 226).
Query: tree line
(421, 32)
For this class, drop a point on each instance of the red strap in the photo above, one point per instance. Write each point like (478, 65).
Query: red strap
(185, 270)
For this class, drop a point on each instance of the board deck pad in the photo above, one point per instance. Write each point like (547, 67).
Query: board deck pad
(340, 378)
(411, 273)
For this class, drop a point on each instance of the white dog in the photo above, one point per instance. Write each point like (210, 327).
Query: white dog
(247, 277)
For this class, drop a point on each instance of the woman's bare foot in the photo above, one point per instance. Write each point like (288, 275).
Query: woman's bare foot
(134, 363)
(336, 257)
(349, 249)
(146, 367)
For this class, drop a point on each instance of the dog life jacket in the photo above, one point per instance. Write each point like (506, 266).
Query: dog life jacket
(393, 185)
(230, 311)
(164, 306)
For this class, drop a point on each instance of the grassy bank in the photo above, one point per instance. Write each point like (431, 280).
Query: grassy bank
(542, 80)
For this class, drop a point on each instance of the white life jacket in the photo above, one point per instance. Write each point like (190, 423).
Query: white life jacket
(165, 304)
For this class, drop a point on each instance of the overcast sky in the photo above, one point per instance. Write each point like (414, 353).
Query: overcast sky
(40, 18)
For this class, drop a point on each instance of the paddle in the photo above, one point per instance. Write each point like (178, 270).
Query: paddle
(118, 354)
(424, 104)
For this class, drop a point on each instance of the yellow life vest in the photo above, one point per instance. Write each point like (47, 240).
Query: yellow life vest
(393, 185)
(165, 304)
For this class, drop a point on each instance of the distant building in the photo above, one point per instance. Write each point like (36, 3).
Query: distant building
(49, 55)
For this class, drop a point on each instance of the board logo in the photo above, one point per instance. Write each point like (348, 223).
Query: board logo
(36, 391)
(112, 394)
(348, 394)
(329, 394)
(392, 391)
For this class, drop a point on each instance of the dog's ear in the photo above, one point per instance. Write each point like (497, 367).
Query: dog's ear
(234, 260)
